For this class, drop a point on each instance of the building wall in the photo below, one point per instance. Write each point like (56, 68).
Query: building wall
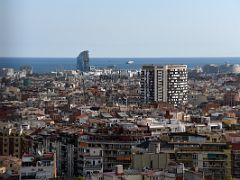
(126, 177)
(12, 143)
(12, 164)
(214, 162)
(65, 158)
(190, 175)
(150, 160)
(114, 153)
(90, 160)
(197, 99)
(236, 160)
(38, 167)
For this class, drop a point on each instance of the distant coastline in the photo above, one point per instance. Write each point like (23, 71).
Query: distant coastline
(44, 65)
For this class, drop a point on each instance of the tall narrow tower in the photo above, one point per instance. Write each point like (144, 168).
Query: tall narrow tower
(83, 61)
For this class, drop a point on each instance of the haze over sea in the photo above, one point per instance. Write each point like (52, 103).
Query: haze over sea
(45, 65)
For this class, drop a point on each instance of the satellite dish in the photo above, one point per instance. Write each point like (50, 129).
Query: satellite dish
(39, 152)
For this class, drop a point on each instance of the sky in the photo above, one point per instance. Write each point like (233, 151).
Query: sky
(120, 28)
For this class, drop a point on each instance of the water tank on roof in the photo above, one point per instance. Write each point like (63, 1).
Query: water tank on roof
(119, 169)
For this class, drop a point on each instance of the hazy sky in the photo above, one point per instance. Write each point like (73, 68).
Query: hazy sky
(120, 28)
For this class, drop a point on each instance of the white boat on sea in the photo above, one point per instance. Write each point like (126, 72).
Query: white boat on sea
(130, 62)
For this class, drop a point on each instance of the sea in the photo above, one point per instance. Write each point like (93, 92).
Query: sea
(46, 65)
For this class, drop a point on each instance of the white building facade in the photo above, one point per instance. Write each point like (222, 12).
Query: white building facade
(164, 83)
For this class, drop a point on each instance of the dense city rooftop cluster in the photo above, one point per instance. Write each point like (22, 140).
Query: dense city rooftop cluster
(165, 122)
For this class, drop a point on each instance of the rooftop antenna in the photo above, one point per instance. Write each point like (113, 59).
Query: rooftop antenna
(40, 153)
(56, 72)
(84, 90)
(31, 68)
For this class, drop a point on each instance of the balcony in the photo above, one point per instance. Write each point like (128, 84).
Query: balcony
(123, 158)
(214, 167)
(94, 167)
(216, 157)
(236, 164)
(88, 154)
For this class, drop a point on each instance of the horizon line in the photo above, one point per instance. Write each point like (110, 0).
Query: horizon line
(124, 57)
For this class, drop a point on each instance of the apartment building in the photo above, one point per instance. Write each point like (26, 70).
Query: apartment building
(41, 166)
(90, 160)
(64, 144)
(164, 83)
(13, 142)
(116, 144)
(236, 160)
(200, 151)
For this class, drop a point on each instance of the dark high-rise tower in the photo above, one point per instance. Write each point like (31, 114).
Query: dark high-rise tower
(83, 61)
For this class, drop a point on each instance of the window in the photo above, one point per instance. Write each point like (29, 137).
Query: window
(151, 164)
(194, 156)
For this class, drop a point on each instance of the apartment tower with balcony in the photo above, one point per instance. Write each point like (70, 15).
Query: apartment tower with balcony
(164, 83)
